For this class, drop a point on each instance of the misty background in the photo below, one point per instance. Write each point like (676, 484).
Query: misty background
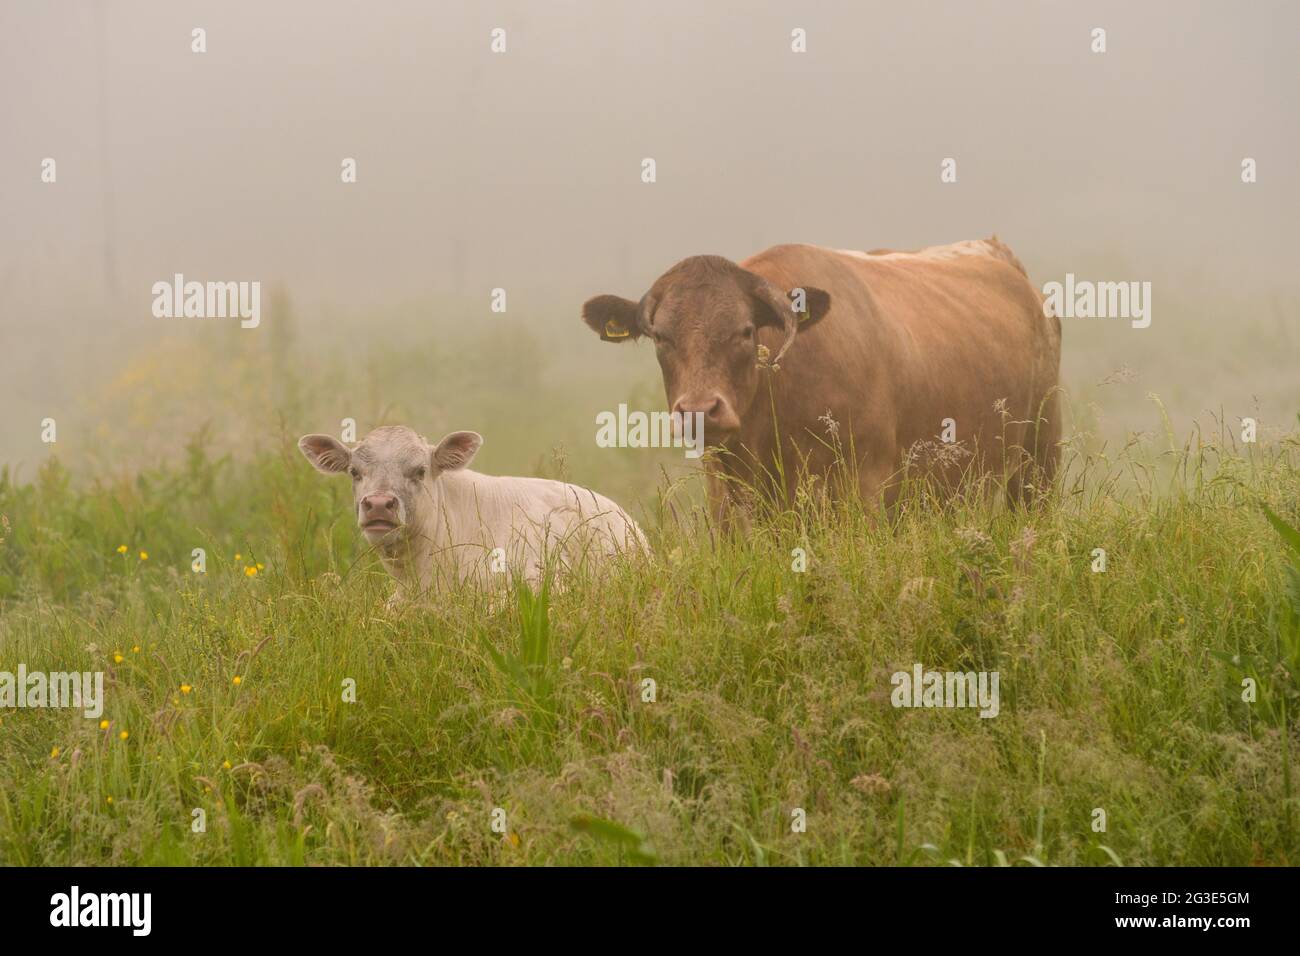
(522, 171)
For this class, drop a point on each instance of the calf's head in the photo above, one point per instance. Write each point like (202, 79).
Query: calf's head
(393, 471)
(703, 316)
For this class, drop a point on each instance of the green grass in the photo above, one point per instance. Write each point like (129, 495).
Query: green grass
(1120, 690)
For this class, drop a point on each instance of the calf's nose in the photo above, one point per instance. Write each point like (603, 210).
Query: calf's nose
(376, 506)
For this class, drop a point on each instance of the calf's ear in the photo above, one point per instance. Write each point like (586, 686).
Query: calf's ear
(613, 318)
(326, 454)
(456, 450)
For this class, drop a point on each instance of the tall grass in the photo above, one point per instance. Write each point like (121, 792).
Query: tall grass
(1121, 691)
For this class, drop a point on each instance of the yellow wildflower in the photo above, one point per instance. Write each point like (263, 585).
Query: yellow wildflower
(103, 725)
(237, 680)
(144, 555)
(186, 688)
(123, 735)
(121, 549)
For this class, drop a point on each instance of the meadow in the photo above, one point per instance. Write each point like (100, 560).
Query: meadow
(523, 734)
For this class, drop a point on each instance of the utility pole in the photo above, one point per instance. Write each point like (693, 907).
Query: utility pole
(105, 168)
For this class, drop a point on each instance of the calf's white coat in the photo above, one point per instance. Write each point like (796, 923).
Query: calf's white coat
(454, 525)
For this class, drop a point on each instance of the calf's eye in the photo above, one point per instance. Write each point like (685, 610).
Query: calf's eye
(418, 474)
(356, 475)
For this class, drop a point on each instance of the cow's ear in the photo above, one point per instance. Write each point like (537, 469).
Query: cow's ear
(783, 309)
(326, 454)
(456, 450)
(816, 303)
(613, 318)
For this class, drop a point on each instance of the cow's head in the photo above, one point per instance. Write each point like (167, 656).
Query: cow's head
(393, 470)
(703, 315)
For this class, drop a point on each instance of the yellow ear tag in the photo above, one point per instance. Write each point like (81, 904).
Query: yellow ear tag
(615, 330)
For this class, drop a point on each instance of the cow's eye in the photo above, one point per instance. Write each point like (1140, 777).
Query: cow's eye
(417, 474)
(747, 333)
(356, 475)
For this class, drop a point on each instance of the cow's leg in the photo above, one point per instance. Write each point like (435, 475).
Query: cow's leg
(878, 478)
(1034, 475)
(879, 459)
(1048, 444)
(728, 513)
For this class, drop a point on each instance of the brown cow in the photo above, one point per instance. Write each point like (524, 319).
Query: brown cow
(887, 347)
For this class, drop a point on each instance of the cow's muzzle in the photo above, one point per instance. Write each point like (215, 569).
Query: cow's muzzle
(720, 419)
(379, 515)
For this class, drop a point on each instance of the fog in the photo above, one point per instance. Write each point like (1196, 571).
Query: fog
(522, 170)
